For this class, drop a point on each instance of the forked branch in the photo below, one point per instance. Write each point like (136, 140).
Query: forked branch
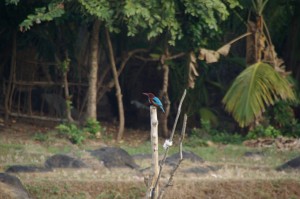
(169, 183)
(162, 162)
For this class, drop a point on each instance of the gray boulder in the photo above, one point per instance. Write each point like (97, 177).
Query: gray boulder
(64, 161)
(22, 168)
(251, 154)
(291, 164)
(187, 155)
(12, 188)
(202, 169)
(114, 157)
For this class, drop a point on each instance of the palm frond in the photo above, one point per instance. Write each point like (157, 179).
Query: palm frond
(257, 87)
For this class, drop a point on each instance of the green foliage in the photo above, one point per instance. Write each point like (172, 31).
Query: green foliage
(261, 131)
(69, 103)
(202, 19)
(291, 129)
(283, 113)
(77, 134)
(257, 87)
(41, 137)
(93, 127)
(227, 138)
(48, 13)
(98, 8)
(282, 116)
(199, 137)
(138, 14)
(74, 134)
(259, 6)
(65, 65)
(161, 17)
(207, 114)
(15, 2)
(206, 125)
(156, 17)
(221, 136)
(205, 10)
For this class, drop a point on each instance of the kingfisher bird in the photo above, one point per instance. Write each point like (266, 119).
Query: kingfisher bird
(154, 101)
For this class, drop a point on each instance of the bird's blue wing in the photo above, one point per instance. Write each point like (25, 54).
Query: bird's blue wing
(157, 101)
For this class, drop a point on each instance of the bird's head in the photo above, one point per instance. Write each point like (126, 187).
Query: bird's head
(150, 95)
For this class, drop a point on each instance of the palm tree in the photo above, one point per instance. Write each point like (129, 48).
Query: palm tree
(257, 87)
(262, 83)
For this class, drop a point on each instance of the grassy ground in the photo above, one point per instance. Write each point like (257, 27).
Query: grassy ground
(238, 176)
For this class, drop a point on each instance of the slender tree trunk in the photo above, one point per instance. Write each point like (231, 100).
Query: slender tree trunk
(68, 97)
(65, 69)
(92, 90)
(250, 44)
(12, 76)
(259, 39)
(111, 83)
(164, 94)
(255, 44)
(117, 86)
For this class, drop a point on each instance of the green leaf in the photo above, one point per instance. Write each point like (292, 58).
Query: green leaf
(54, 10)
(208, 114)
(257, 87)
(15, 2)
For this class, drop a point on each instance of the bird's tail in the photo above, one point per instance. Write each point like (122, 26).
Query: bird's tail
(161, 107)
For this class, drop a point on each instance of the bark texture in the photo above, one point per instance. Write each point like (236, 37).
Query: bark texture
(117, 86)
(92, 89)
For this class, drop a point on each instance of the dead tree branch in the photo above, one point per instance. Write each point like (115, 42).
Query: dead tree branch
(162, 162)
(169, 183)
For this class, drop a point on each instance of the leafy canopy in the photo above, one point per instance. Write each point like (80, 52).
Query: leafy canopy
(15, 2)
(46, 13)
(193, 20)
(175, 18)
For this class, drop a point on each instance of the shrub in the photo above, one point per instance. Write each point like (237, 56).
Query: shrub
(74, 134)
(41, 137)
(200, 136)
(227, 138)
(283, 113)
(93, 127)
(261, 131)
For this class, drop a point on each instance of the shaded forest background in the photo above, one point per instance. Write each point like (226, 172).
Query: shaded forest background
(75, 60)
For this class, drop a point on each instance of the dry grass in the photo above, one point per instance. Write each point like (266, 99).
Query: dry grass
(226, 188)
(237, 176)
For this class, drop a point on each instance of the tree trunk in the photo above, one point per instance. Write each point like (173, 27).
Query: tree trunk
(102, 90)
(68, 98)
(164, 95)
(12, 77)
(117, 86)
(250, 44)
(92, 89)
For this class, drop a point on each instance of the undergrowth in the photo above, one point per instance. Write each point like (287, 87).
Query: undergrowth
(201, 136)
(77, 134)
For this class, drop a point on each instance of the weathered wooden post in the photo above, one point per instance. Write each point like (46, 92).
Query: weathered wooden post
(153, 190)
